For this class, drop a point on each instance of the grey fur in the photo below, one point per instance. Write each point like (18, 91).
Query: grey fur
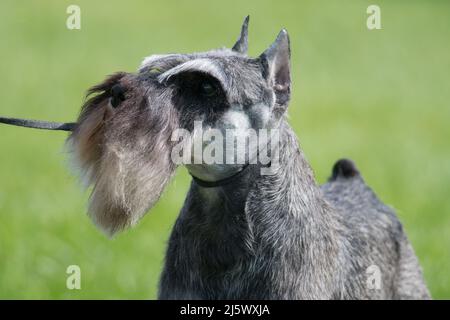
(277, 236)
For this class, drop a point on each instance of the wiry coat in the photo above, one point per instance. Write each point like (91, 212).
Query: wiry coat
(277, 236)
(283, 237)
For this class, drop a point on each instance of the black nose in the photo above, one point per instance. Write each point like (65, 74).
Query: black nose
(117, 95)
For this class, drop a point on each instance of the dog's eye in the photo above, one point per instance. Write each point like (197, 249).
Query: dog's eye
(208, 89)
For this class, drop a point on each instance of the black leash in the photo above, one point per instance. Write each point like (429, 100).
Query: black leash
(37, 124)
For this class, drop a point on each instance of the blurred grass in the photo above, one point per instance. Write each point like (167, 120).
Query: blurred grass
(379, 97)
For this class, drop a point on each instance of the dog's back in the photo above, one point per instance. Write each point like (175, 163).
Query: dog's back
(383, 262)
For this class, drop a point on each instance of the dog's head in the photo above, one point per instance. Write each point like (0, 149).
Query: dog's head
(226, 93)
(124, 138)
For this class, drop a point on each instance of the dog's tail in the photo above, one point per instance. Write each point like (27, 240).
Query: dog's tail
(344, 169)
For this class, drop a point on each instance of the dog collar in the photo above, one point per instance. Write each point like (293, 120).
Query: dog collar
(221, 182)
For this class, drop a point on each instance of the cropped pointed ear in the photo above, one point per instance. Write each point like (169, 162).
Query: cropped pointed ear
(277, 67)
(241, 44)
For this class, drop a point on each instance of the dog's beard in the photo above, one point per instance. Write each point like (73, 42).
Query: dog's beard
(127, 180)
(127, 168)
(126, 184)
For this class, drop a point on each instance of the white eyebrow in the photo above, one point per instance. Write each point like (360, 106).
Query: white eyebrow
(201, 65)
(154, 57)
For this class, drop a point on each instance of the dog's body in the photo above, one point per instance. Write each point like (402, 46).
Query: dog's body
(277, 236)
(283, 237)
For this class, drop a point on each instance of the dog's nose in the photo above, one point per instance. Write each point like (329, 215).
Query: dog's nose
(117, 95)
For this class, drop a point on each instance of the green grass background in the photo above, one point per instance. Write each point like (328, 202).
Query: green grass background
(379, 97)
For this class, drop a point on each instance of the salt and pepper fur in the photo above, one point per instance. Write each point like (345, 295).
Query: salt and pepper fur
(278, 236)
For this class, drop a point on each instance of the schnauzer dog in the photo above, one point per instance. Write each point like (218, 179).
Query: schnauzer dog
(242, 233)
